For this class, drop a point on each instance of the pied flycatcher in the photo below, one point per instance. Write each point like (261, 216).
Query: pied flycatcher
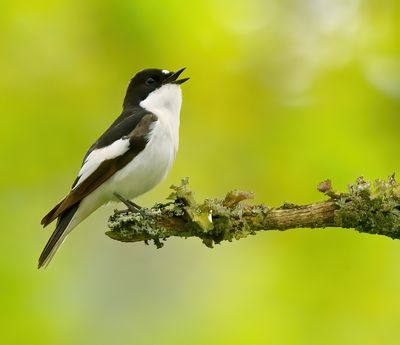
(132, 156)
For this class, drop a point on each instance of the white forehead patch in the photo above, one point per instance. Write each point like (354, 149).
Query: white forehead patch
(165, 71)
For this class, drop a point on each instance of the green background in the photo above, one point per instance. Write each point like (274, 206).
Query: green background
(283, 94)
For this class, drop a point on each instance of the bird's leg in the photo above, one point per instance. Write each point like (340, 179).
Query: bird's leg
(130, 204)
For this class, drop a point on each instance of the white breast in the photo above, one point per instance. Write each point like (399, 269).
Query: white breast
(151, 165)
(166, 102)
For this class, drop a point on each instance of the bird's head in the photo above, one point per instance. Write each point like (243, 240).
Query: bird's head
(152, 85)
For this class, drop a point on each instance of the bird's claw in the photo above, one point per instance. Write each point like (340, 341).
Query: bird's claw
(135, 208)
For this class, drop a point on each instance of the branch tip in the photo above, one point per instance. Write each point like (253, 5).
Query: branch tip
(325, 187)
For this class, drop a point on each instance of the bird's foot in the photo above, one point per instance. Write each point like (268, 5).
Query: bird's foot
(135, 208)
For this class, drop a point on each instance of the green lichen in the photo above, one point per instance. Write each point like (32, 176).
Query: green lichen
(373, 209)
(213, 221)
(141, 226)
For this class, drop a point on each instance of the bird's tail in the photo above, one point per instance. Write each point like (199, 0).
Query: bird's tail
(63, 228)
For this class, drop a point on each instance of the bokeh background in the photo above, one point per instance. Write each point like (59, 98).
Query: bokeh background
(283, 94)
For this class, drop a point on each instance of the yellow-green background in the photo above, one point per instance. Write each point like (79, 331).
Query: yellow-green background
(283, 94)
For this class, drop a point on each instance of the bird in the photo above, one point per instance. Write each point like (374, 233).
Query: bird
(130, 158)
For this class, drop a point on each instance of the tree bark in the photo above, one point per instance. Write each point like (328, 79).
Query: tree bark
(373, 209)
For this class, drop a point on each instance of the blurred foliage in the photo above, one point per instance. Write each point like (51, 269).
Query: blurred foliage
(283, 94)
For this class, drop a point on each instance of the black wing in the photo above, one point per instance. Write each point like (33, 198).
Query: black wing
(121, 127)
(135, 128)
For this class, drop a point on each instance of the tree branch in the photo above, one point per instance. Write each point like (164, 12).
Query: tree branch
(371, 209)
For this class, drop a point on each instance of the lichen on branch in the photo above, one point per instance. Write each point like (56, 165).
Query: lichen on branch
(373, 209)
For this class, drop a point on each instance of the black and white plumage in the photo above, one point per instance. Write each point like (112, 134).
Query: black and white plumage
(132, 156)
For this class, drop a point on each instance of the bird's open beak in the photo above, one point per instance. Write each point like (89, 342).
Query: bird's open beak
(173, 78)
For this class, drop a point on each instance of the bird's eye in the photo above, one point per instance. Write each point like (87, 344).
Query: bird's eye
(150, 81)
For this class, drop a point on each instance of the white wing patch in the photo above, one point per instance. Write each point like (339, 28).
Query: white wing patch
(165, 71)
(96, 157)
